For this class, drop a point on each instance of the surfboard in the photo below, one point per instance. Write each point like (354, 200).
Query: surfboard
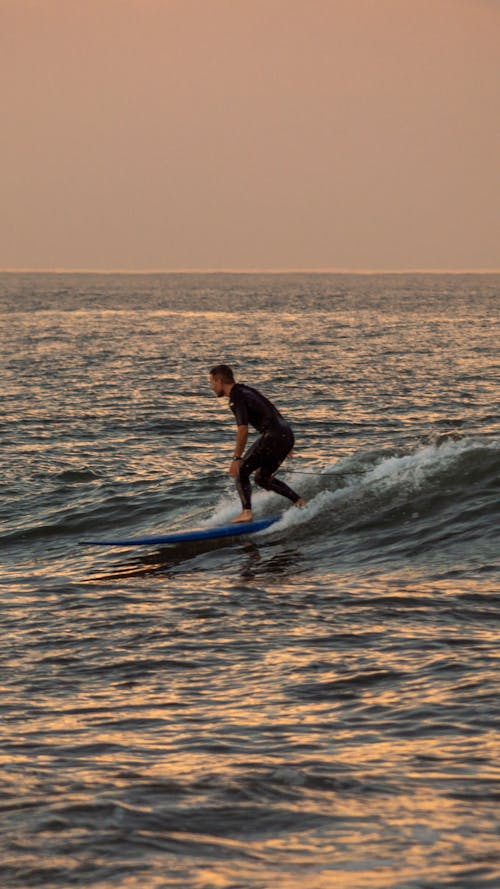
(233, 530)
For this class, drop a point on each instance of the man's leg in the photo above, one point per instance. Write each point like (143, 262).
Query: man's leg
(275, 484)
(276, 450)
(248, 465)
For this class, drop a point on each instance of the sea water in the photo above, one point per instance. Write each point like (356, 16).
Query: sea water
(315, 706)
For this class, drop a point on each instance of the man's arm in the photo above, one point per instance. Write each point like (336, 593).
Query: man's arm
(239, 447)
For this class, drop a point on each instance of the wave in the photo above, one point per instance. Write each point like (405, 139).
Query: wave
(76, 476)
(436, 493)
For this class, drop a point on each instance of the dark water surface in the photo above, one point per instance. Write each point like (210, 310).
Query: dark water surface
(316, 706)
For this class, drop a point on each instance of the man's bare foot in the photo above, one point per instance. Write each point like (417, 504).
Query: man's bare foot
(245, 516)
(300, 503)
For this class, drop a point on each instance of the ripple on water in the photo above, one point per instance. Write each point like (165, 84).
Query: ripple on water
(316, 707)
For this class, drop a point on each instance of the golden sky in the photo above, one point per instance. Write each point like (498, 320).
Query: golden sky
(250, 134)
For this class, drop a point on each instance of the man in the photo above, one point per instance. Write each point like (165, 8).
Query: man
(269, 450)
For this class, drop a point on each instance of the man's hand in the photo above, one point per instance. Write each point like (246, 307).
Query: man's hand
(234, 468)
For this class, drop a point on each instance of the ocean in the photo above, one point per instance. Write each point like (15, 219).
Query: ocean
(315, 706)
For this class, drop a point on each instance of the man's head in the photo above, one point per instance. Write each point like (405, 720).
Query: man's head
(221, 379)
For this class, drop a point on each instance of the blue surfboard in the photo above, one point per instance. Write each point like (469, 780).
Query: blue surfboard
(233, 530)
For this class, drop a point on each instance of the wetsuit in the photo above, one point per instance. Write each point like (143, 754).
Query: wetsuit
(269, 450)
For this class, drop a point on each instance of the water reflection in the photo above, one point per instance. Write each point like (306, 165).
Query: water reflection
(247, 559)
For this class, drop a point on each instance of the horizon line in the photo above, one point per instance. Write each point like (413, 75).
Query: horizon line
(251, 271)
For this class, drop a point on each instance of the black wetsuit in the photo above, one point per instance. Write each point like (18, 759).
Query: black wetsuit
(269, 450)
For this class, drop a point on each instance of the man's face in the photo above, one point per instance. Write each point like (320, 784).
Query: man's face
(216, 386)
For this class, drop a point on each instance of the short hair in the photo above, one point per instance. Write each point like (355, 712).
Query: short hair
(223, 372)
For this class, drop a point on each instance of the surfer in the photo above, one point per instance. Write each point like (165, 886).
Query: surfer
(267, 453)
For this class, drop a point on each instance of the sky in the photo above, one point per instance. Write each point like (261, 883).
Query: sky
(250, 134)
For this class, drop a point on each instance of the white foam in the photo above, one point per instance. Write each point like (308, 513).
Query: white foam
(229, 506)
(415, 469)
(398, 474)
